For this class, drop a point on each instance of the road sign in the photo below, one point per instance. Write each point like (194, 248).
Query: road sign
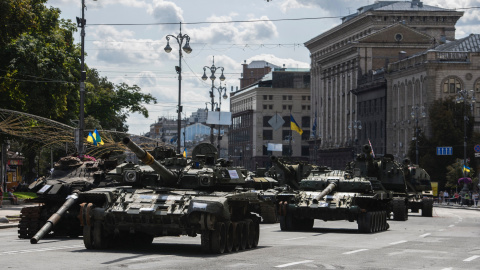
(444, 151)
(276, 121)
(477, 154)
(477, 148)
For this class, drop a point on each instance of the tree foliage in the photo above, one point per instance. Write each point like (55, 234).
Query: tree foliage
(447, 129)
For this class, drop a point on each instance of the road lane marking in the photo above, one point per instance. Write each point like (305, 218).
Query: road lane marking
(425, 235)
(451, 226)
(471, 258)
(355, 251)
(149, 258)
(293, 263)
(14, 252)
(450, 268)
(399, 242)
(296, 238)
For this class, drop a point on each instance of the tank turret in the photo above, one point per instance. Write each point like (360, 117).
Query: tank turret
(292, 174)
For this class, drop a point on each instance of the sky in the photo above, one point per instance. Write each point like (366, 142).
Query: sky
(125, 41)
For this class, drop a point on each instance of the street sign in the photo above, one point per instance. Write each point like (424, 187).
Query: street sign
(276, 121)
(477, 148)
(444, 151)
(477, 154)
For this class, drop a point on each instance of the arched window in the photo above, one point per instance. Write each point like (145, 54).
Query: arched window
(452, 85)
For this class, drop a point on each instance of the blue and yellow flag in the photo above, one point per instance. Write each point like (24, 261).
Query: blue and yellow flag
(466, 168)
(185, 152)
(97, 138)
(294, 125)
(91, 139)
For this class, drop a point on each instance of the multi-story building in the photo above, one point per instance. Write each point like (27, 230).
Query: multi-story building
(254, 72)
(415, 82)
(365, 42)
(279, 94)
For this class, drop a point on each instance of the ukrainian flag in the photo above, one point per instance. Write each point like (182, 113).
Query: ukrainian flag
(90, 139)
(185, 152)
(294, 125)
(97, 137)
(466, 168)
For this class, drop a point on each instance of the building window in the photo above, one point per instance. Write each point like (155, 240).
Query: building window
(268, 134)
(290, 97)
(287, 150)
(284, 107)
(287, 121)
(304, 107)
(305, 135)
(265, 151)
(290, 107)
(305, 121)
(270, 107)
(477, 86)
(284, 97)
(452, 85)
(265, 121)
(270, 97)
(264, 97)
(286, 134)
(305, 151)
(265, 107)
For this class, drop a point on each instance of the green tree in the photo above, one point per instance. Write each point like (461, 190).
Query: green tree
(447, 127)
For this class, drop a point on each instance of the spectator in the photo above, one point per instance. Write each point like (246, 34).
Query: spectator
(475, 198)
(12, 197)
(440, 197)
(456, 197)
(445, 197)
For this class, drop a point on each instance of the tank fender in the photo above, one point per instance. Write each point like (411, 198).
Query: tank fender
(217, 207)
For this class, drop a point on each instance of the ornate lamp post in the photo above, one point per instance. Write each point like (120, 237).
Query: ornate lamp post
(213, 69)
(186, 48)
(355, 124)
(468, 98)
(414, 115)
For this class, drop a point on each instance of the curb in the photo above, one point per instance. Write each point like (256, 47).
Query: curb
(458, 207)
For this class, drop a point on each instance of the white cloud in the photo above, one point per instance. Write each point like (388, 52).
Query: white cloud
(166, 12)
(100, 3)
(289, 63)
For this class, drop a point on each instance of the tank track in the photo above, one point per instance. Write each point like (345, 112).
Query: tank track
(399, 209)
(427, 207)
(30, 222)
(373, 221)
(269, 213)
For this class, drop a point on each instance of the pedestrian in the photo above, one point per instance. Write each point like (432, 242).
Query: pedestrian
(1, 195)
(440, 197)
(445, 197)
(456, 196)
(13, 199)
(466, 198)
(475, 198)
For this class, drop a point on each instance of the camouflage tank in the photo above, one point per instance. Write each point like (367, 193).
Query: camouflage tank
(386, 175)
(56, 196)
(334, 195)
(419, 189)
(173, 197)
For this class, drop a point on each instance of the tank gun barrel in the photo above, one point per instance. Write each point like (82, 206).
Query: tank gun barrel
(167, 175)
(327, 190)
(54, 219)
(289, 174)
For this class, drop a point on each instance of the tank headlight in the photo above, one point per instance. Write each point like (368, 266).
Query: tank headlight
(205, 181)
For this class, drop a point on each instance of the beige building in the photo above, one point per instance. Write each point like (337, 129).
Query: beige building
(365, 42)
(416, 81)
(281, 92)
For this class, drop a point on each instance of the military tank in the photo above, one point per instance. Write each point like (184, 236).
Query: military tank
(419, 189)
(334, 195)
(386, 175)
(56, 196)
(173, 197)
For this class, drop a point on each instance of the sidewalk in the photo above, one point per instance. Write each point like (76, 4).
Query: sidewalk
(457, 206)
(10, 214)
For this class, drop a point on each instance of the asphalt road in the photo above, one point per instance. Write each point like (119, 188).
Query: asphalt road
(449, 240)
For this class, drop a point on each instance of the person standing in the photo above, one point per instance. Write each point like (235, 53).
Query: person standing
(475, 198)
(440, 197)
(446, 198)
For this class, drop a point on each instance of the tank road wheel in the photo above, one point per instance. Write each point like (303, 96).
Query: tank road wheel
(427, 207)
(237, 236)
(88, 236)
(243, 235)
(361, 223)
(230, 236)
(370, 223)
(205, 237)
(100, 240)
(29, 221)
(400, 210)
(256, 236)
(286, 222)
(219, 238)
(250, 233)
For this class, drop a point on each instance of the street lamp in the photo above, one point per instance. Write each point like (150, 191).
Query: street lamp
(467, 97)
(355, 124)
(213, 69)
(414, 115)
(186, 48)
